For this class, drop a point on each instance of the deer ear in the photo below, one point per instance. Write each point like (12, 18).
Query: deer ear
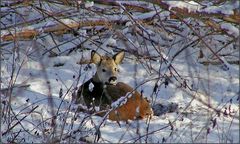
(95, 57)
(119, 57)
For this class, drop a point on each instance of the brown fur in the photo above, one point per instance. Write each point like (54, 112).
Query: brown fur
(128, 111)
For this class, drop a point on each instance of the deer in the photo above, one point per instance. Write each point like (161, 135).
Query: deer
(103, 89)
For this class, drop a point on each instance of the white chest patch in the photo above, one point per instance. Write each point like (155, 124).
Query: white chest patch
(90, 87)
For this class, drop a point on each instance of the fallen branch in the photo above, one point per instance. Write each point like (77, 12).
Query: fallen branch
(23, 35)
(15, 86)
(184, 12)
(63, 27)
(217, 27)
(59, 28)
(237, 62)
(128, 5)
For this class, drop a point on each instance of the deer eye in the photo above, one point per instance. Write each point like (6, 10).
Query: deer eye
(103, 70)
(115, 69)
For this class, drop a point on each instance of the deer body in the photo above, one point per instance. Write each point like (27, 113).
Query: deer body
(102, 90)
(136, 106)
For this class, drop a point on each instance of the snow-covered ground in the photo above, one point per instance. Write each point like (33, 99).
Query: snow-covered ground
(41, 100)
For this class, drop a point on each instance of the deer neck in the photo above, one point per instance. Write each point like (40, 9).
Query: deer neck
(96, 79)
(100, 88)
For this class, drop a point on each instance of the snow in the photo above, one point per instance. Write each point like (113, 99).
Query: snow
(217, 9)
(91, 86)
(54, 80)
(112, 41)
(137, 110)
(224, 9)
(67, 21)
(89, 4)
(191, 5)
(232, 30)
(121, 101)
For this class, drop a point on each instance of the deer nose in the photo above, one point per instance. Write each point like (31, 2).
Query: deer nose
(112, 79)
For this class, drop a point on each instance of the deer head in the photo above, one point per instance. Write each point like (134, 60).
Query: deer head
(107, 67)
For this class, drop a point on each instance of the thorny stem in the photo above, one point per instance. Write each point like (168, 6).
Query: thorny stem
(200, 37)
(50, 97)
(19, 121)
(0, 78)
